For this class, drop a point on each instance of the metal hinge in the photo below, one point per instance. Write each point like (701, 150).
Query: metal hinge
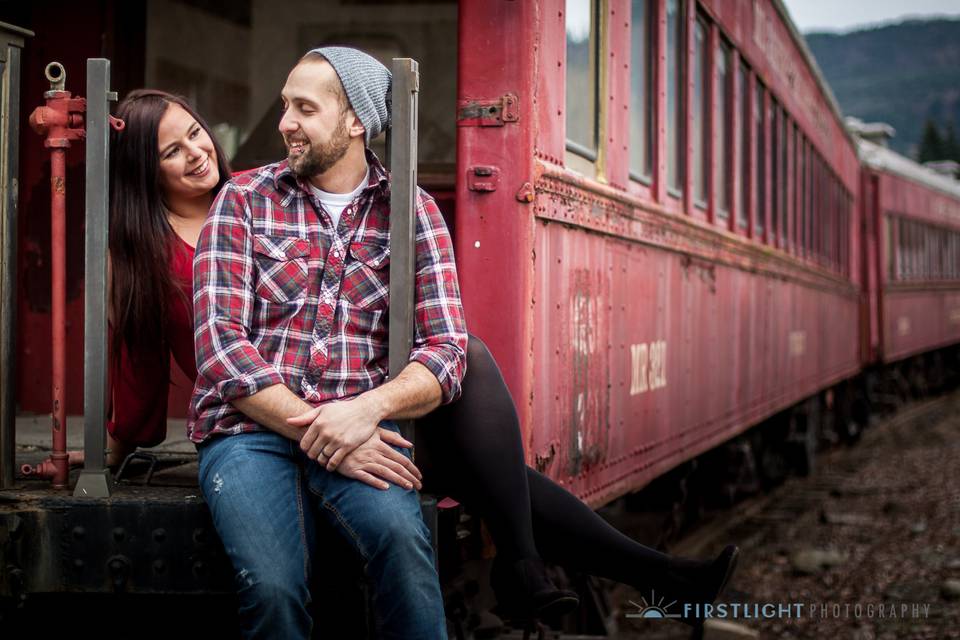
(489, 113)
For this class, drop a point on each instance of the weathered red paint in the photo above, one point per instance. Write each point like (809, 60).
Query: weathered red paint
(604, 271)
(494, 230)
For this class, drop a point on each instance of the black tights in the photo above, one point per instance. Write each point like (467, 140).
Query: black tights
(475, 455)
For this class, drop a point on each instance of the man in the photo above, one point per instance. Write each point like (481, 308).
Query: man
(291, 297)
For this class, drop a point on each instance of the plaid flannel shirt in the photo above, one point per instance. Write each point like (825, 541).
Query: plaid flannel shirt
(280, 297)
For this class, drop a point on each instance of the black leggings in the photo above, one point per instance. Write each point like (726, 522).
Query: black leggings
(475, 455)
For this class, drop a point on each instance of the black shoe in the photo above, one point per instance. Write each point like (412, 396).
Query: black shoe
(524, 590)
(718, 575)
(724, 566)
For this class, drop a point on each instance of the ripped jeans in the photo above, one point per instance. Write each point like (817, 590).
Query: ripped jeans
(267, 500)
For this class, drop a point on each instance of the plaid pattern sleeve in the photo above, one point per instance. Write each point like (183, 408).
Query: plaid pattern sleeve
(440, 336)
(223, 302)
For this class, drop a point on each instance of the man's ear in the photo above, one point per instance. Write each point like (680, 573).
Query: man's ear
(354, 127)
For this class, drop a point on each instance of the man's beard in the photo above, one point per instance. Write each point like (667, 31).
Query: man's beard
(317, 158)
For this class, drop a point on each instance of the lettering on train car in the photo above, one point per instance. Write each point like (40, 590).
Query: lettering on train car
(589, 375)
(903, 326)
(955, 316)
(797, 343)
(945, 208)
(648, 366)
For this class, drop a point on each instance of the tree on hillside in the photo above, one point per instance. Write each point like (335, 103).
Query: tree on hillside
(951, 146)
(931, 144)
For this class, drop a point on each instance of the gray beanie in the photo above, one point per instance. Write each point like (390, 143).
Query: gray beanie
(367, 84)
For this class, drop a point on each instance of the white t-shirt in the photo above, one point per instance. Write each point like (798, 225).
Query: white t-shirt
(335, 203)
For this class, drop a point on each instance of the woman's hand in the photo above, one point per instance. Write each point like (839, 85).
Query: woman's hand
(375, 462)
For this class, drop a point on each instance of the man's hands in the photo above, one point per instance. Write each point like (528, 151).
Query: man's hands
(375, 462)
(336, 429)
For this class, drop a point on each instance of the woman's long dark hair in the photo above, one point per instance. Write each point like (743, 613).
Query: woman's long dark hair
(141, 238)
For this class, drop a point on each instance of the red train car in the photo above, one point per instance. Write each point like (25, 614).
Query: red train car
(674, 213)
(914, 267)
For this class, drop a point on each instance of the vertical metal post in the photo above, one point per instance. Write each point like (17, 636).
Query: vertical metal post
(11, 41)
(403, 216)
(94, 481)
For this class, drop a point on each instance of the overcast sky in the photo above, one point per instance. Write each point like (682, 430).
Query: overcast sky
(844, 15)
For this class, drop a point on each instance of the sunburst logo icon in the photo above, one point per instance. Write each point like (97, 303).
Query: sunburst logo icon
(653, 608)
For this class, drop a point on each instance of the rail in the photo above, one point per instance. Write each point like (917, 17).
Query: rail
(11, 42)
(402, 150)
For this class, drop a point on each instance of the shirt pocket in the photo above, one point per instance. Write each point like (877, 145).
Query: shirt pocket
(281, 266)
(366, 280)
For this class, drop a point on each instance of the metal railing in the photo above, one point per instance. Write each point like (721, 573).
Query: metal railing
(11, 42)
(402, 149)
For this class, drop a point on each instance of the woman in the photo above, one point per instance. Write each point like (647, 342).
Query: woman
(159, 200)
(167, 170)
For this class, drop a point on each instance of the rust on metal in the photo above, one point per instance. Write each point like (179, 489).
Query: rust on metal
(489, 113)
(526, 193)
(483, 178)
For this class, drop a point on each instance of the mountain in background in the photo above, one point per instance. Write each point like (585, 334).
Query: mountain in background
(901, 74)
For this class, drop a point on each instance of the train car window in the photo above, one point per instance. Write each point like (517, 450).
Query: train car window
(829, 213)
(743, 145)
(795, 185)
(895, 234)
(955, 255)
(829, 217)
(801, 196)
(784, 176)
(641, 123)
(835, 215)
(898, 247)
(701, 114)
(807, 204)
(906, 242)
(922, 250)
(760, 174)
(951, 255)
(582, 77)
(938, 252)
(821, 213)
(675, 51)
(773, 117)
(722, 137)
(906, 239)
(847, 200)
(816, 215)
(913, 266)
(808, 200)
(944, 254)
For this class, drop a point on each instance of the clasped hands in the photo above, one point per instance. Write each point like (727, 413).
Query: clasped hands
(344, 437)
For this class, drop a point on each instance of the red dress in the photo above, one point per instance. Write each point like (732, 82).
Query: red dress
(139, 386)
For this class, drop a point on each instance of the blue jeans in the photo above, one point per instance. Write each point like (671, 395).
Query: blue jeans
(267, 500)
